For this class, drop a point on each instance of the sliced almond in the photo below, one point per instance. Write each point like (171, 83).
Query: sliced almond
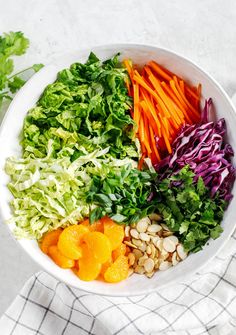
(130, 244)
(136, 242)
(164, 226)
(144, 237)
(149, 265)
(159, 244)
(180, 250)
(150, 274)
(139, 269)
(130, 272)
(174, 259)
(167, 233)
(127, 229)
(137, 253)
(164, 265)
(168, 244)
(134, 233)
(142, 260)
(153, 251)
(154, 217)
(154, 228)
(143, 224)
(131, 259)
(143, 247)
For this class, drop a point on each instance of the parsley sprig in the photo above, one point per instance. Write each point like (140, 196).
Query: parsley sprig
(12, 44)
(188, 210)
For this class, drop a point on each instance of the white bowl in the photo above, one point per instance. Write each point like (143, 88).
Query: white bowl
(9, 139)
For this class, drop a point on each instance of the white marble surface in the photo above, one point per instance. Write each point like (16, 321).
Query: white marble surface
(203, 30)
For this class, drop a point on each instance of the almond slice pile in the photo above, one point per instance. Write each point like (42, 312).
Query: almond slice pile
(152, 246)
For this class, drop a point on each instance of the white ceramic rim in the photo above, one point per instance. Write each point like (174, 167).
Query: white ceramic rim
(122, 45)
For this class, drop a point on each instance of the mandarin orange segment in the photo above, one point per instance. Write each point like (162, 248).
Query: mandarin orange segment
(118, 270)
(99, 244)
(96, 226)
(105, 266)
(114, 232)
(89, 267)
(70, 240)
(121, 250)
(59, 259)
(49, 239)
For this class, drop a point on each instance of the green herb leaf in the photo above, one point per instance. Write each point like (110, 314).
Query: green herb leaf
(188, 210)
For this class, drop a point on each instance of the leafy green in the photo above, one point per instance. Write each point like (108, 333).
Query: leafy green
(122, 194)
(88, 101)
(188, 210)
(12, 44)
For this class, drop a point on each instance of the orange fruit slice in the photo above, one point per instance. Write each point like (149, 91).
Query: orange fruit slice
(121, 250)
(118, 271)
(59, 259)
(49, 239)
(89, 267)
(105, 266)
(114, 232)
(96, 226)
(70, 240)
(99, 244)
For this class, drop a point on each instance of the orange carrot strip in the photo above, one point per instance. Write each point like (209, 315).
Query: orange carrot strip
(191, 92)
(151, 119)
(199, 91)
(128, 67)
(136, 106)
(181, 84)
(184, 98)
(151, 108)
(176, 126)
(167, 143)
(156, 84)
(141, 129)
(141, 81)
(177, 101)
(172, 84)
(141, 161)
(153, 65)
(147, 136)
(153, 142)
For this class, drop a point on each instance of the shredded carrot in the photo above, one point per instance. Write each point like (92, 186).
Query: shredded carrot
(153, 144)
(165, 99)
(153, 65)
(181, 84)
(185, 107)
(141, 130)
(147, 136)
(141, 161)
(150, 117)
(151, 109)
(195, 112)
(177, 101)
(136, 106)
(163, 102)
(166, 140)
(128, 67)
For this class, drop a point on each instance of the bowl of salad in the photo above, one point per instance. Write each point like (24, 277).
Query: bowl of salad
(117, 168)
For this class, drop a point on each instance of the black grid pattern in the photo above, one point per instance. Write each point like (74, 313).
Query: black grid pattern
(205, 305)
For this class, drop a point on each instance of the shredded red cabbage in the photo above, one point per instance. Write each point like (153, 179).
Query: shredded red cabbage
(202, 147)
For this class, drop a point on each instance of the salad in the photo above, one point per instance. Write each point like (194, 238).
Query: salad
(121, 171)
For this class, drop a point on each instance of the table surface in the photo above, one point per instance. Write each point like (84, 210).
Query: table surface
(204, 31)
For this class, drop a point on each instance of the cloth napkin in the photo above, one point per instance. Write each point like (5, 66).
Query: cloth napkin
(204, 304)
